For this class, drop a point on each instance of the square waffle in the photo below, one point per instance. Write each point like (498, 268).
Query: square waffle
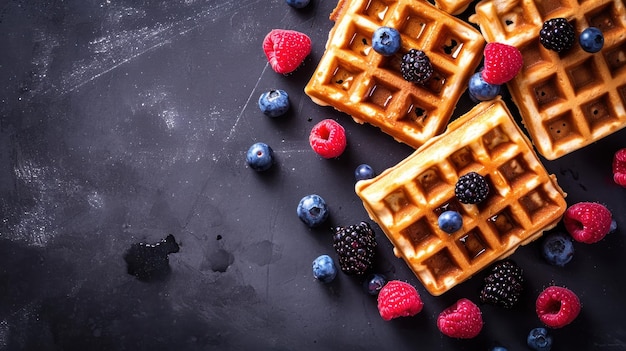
(406, 200)
(356, 80)
(571, 99)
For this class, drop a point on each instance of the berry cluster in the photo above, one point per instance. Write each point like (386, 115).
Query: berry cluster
(504, 284)
(471, 188)
(355, 245)
(416, 67)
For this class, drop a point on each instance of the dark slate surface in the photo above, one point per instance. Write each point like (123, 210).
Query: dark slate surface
(124, 121)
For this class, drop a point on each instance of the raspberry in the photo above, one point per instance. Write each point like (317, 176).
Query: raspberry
(416, 67)
(398, 299)
(619, 167)
(504, 285)
(502, 63)
(471, 188)
(587, 222)
(557, 34)
(328, 139)
(355, 246)
(462, 320)
(557, 306)
(286, 49)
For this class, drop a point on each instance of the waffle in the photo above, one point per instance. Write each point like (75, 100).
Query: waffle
(454, 7)
(356, 80)
(406, 200)
(566, 100)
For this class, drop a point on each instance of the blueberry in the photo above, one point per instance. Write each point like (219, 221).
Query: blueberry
(386, 41)
(499, 348)
(260, 157)
(558, 249)
(613, 227)
(480, 90)
(363, 172)
(591, 39)
(374, 283)
(274, 103)
(312, 210)
(450, 221)
(324, 269)
(539, 340)
(297, 3)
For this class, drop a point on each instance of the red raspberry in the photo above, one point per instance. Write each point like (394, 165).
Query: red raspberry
(462, 320)
(557, 306)
(587, 222)
(502, 62)
(398, 299)
(286, 49)
(328, 138)
(619, 167)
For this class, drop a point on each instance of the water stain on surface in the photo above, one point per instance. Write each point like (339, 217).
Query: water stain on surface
(150, 261)
(218, 261)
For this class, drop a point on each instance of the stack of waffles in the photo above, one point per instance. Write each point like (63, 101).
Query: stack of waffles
(406, 200)
(354, 79)
(571, 99)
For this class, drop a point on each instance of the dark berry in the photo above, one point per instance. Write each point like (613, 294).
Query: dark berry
(416, 67)
(260, 157)
(539, 339)
(479, 90)
(386, 41)
(450, 221)
(558, 249)
(297, 3)
(591, 39)
(471, 188)
(274, 103)
(504, 284)
(557, 34)
(324, 269)
(374, 283)
(312, 210)
(613, 227)
(355, 246)
(363, 172)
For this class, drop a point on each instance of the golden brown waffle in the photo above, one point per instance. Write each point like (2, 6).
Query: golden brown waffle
(453, 7)
(354, 79)
(406, 200)
(566, 100)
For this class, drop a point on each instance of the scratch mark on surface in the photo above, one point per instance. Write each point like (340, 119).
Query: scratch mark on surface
(111, 68)
(233, 129)
(123, 46)
(293, 151)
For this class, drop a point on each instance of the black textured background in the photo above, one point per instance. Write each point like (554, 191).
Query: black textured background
(123, 121)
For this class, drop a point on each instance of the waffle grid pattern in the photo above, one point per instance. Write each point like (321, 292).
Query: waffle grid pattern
(566, 100)
(356, 80)
(407, 199)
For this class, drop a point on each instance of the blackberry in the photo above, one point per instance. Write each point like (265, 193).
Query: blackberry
(355, 246)
(557, 34)
(504, 284)
(416, 67)
(471, 188)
